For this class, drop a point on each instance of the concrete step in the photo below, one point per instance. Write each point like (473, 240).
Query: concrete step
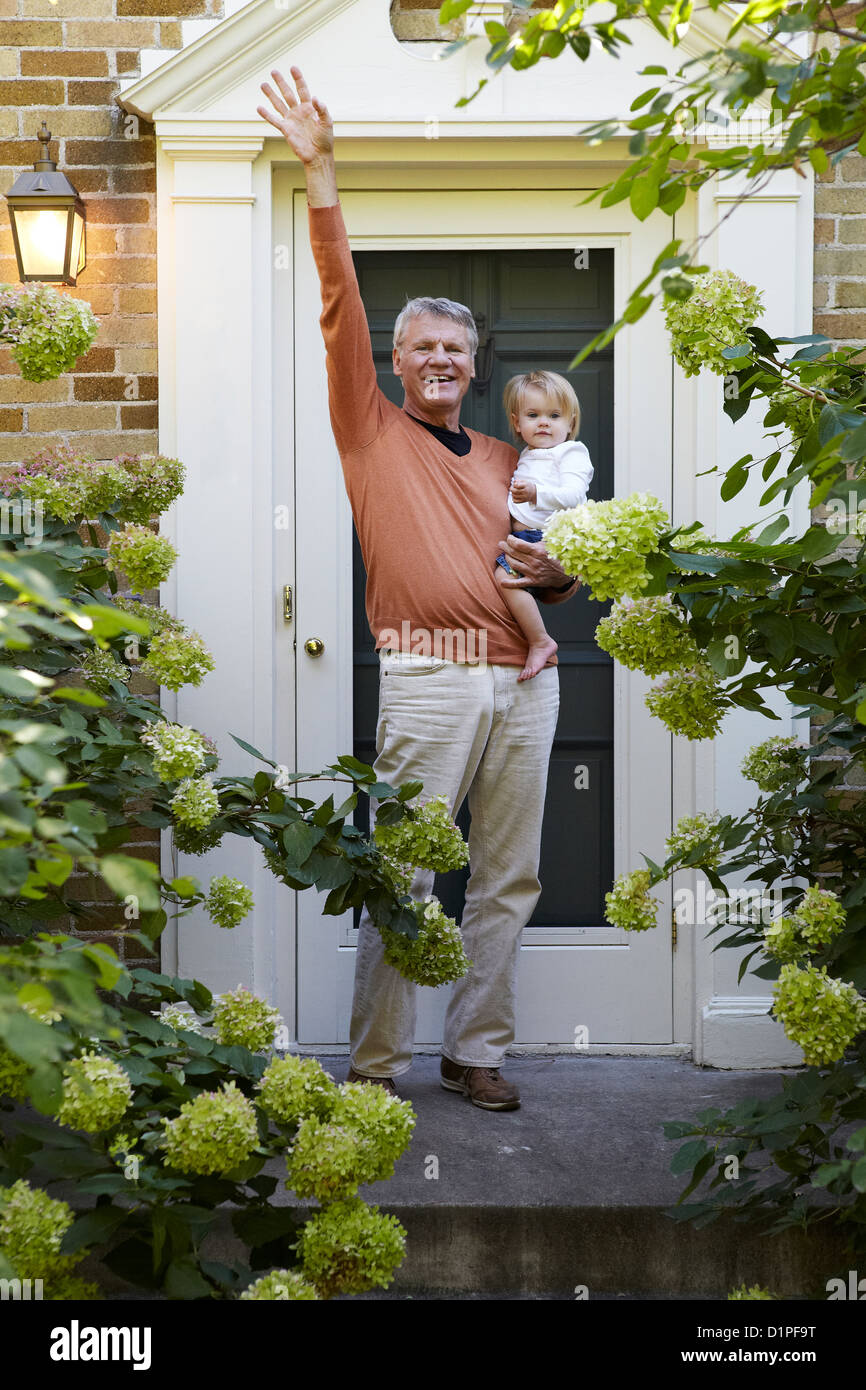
(566, 1196)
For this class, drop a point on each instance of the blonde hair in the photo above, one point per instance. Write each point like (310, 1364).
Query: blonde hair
(556, 389)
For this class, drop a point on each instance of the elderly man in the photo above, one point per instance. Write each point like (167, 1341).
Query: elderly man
(429, 499)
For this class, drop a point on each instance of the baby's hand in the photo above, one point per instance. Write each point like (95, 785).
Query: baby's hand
(522, 490)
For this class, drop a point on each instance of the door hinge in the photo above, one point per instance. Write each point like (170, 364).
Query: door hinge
(287, 603)
(673, 928)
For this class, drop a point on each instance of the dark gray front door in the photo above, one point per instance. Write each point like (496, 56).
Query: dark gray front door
(534, 310)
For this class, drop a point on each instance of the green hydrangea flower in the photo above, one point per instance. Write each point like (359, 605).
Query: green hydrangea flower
(293, 1087)
(798, 412)
(365, 1133)
(96, 1093)
(606, 544)
(152, 481)
(143, 556)
(191, 841)
(32, 1226)
(688, 702)
(629, 904)
(429, 838)
(380, 1120)
(178, 750)
(158, 619)
(175, 659)
(647, 634)
(213, 1133)
(69, 485)
(228, 901)
(48, 330)
(436, 955)
(243, 1020)
(715, 316)
(101, 667)
(691, 831)
(774, 764)
(14, 1075)
(177, 1016)
(350, 1247)
(281, 1283)
(821, 1014)
(195, 803)
(817, 919)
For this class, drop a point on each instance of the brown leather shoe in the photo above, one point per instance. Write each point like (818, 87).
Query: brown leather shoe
(483, 1085)
(385, 1081)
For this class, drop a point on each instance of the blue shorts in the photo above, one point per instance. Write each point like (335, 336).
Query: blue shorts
(527, 535)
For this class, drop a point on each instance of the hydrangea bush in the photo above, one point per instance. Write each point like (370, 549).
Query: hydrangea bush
(606, 544)
(46, 328)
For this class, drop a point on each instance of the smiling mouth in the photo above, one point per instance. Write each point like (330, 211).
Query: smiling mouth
(428, 380)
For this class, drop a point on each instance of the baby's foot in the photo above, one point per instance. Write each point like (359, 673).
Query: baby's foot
(537, 657)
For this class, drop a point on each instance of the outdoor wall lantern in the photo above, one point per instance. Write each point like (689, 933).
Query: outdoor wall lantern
(47, 218)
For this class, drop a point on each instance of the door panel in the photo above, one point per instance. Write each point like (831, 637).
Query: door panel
(538, 308)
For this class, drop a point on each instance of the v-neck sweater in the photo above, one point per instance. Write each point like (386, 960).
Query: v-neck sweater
(429, 521)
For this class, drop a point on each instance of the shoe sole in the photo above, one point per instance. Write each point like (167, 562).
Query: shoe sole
(482, 1104)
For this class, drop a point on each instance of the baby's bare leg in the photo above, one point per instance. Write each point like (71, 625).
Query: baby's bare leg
(526, 614)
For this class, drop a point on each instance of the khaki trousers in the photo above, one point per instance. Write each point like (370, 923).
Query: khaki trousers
(476, 731)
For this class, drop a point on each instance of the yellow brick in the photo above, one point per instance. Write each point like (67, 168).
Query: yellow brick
(136, 301)
(101, 241)
(137, 241)
(9, 127)
(135, 330)
(133, 359)
(18, 448)
(72, 417)
(110, 33)
(8, 63)
(63, 121)
(122, 270)
(8, 8)
(107, 446)
(15, 390)
(83, 9)
(99, 297)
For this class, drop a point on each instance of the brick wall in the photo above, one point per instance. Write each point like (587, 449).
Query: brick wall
(62, 63)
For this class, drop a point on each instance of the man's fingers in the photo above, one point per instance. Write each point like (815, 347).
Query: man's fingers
(285, 87)
(278, 103)
(324, 113)
(300, 83)
(269, 116)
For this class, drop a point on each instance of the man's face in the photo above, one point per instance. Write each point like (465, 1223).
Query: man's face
(435, 362)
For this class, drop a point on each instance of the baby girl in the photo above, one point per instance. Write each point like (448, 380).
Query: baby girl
(553, 472)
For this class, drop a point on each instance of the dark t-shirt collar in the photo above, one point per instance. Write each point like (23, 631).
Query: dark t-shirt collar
(457, 441)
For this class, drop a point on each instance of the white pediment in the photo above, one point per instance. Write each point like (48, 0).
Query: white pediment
(373, 84)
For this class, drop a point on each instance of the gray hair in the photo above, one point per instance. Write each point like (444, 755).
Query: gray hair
(442, 308)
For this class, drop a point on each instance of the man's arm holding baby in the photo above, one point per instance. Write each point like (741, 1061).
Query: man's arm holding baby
(532, 561)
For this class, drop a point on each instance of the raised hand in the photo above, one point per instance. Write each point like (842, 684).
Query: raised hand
(302, 119)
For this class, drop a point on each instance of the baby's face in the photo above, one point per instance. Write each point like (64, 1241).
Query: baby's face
(541, 423)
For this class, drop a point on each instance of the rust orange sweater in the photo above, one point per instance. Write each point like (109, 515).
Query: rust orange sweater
(428, 521)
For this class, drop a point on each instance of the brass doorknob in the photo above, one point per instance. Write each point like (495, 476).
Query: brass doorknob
(314, 646)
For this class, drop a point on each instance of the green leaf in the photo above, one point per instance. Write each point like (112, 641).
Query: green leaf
(79, 694)
(299, 841)
(248, 748)
(93, 1227)
(183, 1280)
(128, 877)
(644, 195)
(689, 1155)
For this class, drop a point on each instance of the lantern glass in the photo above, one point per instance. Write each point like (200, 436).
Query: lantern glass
(42, 238)
(76, 255)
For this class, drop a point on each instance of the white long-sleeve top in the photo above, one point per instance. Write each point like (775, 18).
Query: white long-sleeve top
(562, 475)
